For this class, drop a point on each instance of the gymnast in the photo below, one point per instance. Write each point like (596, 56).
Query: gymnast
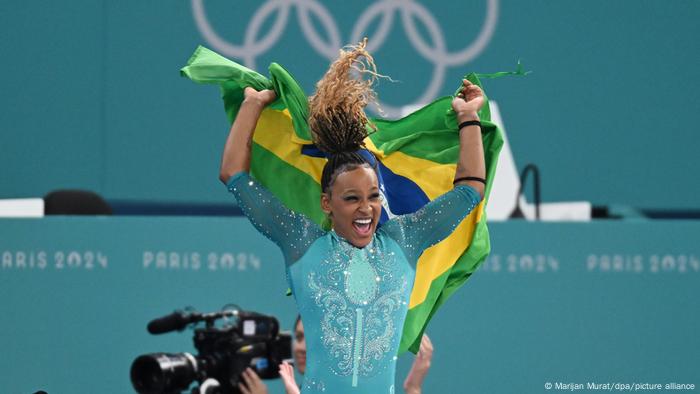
(352, 281)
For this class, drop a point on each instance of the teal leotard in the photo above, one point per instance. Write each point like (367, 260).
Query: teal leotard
(353, 301)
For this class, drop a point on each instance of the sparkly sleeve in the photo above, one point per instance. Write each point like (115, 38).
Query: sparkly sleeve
(432, 223)
(291, 231)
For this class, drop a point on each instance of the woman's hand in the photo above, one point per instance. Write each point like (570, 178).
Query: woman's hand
(261, 98)
(287, 375)
(468, 101)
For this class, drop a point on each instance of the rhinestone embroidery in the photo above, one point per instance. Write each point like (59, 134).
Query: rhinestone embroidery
(359, 292)
(291, 231)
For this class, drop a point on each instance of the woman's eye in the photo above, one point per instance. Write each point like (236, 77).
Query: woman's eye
(350, 198)
(375, 196)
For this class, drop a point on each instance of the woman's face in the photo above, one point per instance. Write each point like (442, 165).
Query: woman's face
(354, 205)
(299, 348)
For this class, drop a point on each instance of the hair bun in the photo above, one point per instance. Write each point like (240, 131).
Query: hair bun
(337, 119)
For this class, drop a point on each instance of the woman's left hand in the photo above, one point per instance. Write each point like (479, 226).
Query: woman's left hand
(469, 100)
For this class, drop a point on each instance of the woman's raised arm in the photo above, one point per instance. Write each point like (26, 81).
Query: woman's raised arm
(471, 150)
(292, 232)
(436, 220)
(236, 156)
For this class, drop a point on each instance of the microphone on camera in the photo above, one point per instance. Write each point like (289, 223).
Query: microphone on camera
(176, 321)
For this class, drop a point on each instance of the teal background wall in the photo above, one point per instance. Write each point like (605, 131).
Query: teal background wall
(91, 98)
(602, 302)
(91, 95)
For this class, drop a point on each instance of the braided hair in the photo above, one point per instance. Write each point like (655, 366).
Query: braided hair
(337, 119)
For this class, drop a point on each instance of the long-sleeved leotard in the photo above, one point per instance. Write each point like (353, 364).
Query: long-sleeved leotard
(353, 301)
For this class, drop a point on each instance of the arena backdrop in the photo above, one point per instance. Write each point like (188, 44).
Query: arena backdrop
(92, 98)
(608, 302)
(91, 95)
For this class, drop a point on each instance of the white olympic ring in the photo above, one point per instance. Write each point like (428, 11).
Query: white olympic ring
(438, 54)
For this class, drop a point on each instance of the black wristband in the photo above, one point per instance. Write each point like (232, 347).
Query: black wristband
(469, 123)
(470, 178)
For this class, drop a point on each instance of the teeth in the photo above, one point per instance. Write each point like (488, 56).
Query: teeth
(363, 221)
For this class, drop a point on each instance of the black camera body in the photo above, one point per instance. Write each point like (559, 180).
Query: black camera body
(223, 354)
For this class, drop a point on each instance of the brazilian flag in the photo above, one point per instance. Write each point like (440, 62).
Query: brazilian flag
(417, 162)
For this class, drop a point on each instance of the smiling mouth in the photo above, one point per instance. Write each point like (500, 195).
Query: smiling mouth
(362, 226)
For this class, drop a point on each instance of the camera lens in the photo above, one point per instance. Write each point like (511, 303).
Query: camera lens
(163, 372)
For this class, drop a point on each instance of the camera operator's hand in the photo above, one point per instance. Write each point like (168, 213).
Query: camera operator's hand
(253, 383)
(287, 375)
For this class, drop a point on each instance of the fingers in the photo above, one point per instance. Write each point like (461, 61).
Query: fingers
(243, 389)
(247, 379)
(426, 348)
(469, 90)
(465, 84)
(270, 95)
(252, 378)
(287, 375)
(253, 384)
(284, 370)
(423, 349)
(288, 368)
(427, 341)
(264, 97)
(246, 376)
(474, 92)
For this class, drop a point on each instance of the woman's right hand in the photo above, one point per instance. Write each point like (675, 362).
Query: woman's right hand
(261, 98)
(468, 102)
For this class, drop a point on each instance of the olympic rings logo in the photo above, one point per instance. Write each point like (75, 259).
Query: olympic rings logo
(255, 44)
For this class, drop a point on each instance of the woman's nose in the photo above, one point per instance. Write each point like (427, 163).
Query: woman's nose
(366, 207)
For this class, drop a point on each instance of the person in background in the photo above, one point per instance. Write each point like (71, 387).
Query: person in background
(299, 346)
